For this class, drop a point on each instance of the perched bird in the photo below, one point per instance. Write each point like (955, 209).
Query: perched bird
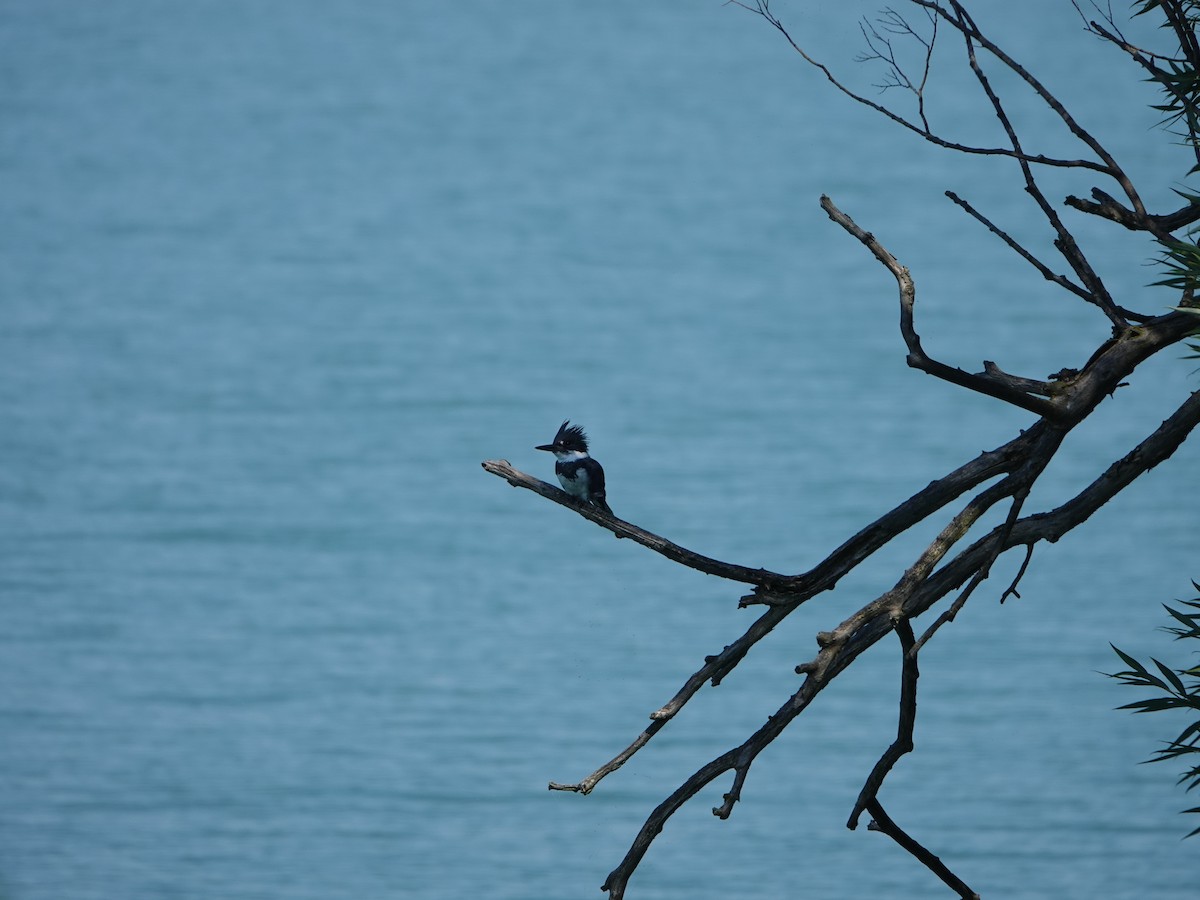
(580, 475)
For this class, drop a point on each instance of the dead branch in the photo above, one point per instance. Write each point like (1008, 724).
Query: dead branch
(904, 729)
(953, 561)
(958, 16)
(882, 822)
(1061, 280)
(1020, 461)
(759, 577)
(1160, 226)
(1025, 393)
(917, 592)
(763, 8)
(1064, 241)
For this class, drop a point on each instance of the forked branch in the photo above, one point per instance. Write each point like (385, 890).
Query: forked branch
(909, 673)
(1023, 392)
(763, 8)
(947, 573)
(881, 821)
(922, 587)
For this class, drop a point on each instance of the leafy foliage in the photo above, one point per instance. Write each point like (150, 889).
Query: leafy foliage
(1194, 311)
(1181, 259)
(1177, 73)
(1176, 689)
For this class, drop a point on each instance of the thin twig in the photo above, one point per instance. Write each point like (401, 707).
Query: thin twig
(1019, 491)
(882, 822)
(1097, 293)
(1011, 590)
(904, 728)
(1046, 272)
(966, 25)
(763, 8)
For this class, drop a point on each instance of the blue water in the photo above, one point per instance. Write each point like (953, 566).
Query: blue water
(275, 279)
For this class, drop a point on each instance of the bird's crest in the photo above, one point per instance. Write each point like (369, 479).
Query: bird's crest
(572, 437)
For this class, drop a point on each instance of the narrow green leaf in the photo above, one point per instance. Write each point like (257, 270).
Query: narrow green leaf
(1190, 731)
(1157, 704)
(1133, 664)
(1190, 622)
(1169, 674)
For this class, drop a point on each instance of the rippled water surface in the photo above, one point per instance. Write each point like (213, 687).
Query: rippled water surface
(277, 277)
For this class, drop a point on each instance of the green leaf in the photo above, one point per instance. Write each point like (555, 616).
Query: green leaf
(1134, 665)
(1175, 692)
(1189, 738)
(1190, 622)
(1169, 674)
(1157, 704)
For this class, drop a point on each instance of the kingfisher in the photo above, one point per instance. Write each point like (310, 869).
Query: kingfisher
(580, 475)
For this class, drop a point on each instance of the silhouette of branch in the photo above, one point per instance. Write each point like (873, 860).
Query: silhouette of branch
(950, 569)
(1162, 68)
(880, 47)
(1011, 590)
(1019, 459)
(787, 597)
(1060, 280)
(1021, 392)
(763, 8)
(957, 15)
(904, 729)
(760, 577)
(1093, 289)
(882, 822)
(1020, 492)
(1107, 207)
(921, 587)
(1065, 242)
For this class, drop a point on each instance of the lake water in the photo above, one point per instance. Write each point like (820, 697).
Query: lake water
(276, 278)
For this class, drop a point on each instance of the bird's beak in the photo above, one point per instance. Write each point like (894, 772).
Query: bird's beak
(544, 447)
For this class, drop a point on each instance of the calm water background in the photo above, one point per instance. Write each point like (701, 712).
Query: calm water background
(276, 277)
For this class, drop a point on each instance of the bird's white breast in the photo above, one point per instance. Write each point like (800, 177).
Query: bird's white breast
(578, 485)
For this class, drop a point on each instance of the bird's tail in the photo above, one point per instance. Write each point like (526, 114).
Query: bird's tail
(603, 504)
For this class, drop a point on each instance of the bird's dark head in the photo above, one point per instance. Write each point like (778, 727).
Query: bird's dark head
(570, 439)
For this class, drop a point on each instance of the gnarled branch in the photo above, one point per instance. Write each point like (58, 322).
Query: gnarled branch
(947, 573)
(1019, 392)
(917, 592)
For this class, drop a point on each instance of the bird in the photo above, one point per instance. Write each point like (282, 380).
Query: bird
(580, 475)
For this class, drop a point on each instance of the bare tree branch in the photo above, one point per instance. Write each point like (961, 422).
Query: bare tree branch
(763, 8)
(962, 20)
(1187, 59)
(760, 577)
(880, 47)
(881, 821)
(1097, 293)
(1161, 226)
(957, 561)
(904, 730)
(1020, 491)
(921, 587)
(1019, 392)
(1022, 460)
